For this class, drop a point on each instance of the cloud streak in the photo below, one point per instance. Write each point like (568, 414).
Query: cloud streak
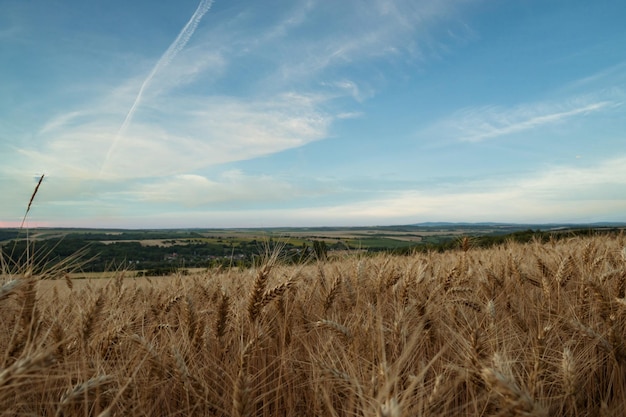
(231, 187)
(504, 124)
(171, 52)
(558, 194)
(489, 122)
(184, 129)
(202, 132)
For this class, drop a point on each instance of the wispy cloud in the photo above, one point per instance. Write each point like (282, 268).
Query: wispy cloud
(201, 132)
(558, 194)
(351, 88)
(167, 128)
(482, 123)
(237, 199)
(382, 30)
(233, 187)
(613, 75)
(561, 183)
(171, 52)
(239, 113)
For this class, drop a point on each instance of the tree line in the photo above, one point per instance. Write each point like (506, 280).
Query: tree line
(95, 256)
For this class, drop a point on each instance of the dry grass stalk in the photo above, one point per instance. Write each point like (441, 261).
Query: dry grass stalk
(32, 198)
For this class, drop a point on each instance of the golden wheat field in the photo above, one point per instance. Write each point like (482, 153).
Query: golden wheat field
(534, 330)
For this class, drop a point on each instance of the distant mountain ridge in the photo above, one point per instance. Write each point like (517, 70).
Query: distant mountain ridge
(542, 226)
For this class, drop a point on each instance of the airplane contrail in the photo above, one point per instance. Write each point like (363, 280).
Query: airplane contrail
(167, 57)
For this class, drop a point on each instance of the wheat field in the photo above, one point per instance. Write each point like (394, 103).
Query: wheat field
(521, 329)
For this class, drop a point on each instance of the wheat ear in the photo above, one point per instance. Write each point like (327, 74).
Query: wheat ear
(30, 202)
(256, 296)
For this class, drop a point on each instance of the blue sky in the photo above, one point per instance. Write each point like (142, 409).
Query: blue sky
(308, 113)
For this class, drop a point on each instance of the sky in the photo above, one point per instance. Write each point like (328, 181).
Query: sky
(240, 113)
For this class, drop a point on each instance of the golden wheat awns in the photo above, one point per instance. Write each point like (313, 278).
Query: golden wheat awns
(462, 333)
(30, 202)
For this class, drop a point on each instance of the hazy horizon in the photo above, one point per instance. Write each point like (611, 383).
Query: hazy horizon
(214, 114)
(433, 224)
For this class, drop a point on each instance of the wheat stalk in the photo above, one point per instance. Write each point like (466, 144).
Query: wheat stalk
(28, 364)
(255, 303)
(80, 390)
(10, 287)
(91, 317)
(332, 293)
(222, 317)
(336, 327)
(276, 292)
(30, 202)
(568, 371)
(242, 403)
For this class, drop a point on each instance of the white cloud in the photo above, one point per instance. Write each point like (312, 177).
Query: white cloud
(176, 123)
(190, 190)
(357, 32)
(239, 91)
(566, 182)
(558, 194)
(194, 133)
(196, 64)
(350, 88)
(237, 199)
(481, 123)
(349, 115)
(614, 75)
(168, 56)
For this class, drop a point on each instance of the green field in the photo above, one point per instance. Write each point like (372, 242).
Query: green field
(162, 251)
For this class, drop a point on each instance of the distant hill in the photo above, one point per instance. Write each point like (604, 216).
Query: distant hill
(534, 226)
